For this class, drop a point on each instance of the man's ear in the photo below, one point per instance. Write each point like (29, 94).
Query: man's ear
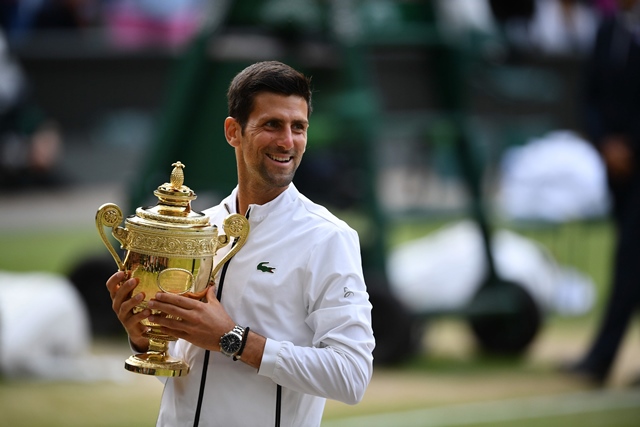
(232, 131)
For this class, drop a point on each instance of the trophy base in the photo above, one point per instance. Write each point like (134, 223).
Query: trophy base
(156, 364)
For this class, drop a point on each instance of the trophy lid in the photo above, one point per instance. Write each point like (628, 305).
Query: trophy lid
(174, 205)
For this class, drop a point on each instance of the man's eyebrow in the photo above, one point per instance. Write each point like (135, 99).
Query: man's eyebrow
(267, 119)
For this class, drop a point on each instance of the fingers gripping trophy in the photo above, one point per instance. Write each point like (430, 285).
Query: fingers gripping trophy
(169, 248)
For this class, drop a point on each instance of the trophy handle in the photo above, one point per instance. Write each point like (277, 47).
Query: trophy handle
(109, 215)
(235, 225)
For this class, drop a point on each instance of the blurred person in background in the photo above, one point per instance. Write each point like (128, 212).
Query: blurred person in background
(19, 18)
(30, 142)
(135, 24)
(613, 123)
(563, 27)
(303, 315)
(546, 27)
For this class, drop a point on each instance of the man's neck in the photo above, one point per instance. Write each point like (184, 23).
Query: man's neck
(246, 198)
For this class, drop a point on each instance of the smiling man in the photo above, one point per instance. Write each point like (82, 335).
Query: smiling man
(269, 146)
(289, 324)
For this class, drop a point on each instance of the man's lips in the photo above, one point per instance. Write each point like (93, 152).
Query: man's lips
(280, 158)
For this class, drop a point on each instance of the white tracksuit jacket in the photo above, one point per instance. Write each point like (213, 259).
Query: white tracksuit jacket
(313, 308)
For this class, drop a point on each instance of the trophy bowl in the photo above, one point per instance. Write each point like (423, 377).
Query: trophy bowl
(169, 248)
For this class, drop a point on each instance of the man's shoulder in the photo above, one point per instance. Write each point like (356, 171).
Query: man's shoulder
(322, 216)
(223, 207)
(214, 209)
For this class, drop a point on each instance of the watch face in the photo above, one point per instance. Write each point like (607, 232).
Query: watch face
(230, 343)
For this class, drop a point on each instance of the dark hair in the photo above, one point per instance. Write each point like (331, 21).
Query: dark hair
(267, 76)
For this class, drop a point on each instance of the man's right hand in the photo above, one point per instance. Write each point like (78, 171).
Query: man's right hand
(120, 289)
(618, 157)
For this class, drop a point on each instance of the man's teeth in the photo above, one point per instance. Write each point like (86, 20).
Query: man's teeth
(280, 159)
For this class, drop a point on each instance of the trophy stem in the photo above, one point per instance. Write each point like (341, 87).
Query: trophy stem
(156, 361)
(158, 346)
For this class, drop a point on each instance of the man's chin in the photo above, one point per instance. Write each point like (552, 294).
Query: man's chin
(282, 180)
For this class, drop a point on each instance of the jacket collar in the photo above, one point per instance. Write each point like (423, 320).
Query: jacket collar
(259, 212)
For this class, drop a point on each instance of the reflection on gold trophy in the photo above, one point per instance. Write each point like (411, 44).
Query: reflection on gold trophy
(169, 248)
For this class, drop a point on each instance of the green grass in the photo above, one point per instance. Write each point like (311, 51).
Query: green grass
(61, 404)
(55, 251)
(627, 417)
(569, 410)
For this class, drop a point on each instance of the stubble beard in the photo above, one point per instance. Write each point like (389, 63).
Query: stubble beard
(277, 180)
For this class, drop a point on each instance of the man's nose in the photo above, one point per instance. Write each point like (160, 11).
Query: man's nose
(286, 138)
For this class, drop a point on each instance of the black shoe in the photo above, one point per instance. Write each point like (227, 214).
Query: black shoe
(585, 373)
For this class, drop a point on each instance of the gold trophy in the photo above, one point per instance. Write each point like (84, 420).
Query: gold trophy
(169, 248)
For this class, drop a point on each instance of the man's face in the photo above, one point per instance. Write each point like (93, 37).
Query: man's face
(271, 147)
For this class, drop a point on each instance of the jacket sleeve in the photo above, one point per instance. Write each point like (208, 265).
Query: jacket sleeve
(339, 365)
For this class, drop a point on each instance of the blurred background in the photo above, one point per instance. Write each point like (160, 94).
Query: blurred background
(452, 134)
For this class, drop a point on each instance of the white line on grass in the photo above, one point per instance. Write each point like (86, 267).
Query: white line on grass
(496, 411)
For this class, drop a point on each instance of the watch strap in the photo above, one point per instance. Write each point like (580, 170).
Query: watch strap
(238, 355)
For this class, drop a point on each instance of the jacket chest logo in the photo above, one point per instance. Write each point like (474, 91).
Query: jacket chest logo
(265, 268)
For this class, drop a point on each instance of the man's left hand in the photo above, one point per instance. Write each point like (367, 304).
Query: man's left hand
(200, 323)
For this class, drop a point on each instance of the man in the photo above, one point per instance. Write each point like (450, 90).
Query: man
(613, 103)
(293, 297)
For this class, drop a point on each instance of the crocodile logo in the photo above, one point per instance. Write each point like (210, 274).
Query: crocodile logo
(265, 268)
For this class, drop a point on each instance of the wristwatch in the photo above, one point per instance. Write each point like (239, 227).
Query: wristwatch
(231, 342)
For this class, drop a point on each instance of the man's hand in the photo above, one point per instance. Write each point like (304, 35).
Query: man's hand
(200, 323)
(618, 157)
(120, 290)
